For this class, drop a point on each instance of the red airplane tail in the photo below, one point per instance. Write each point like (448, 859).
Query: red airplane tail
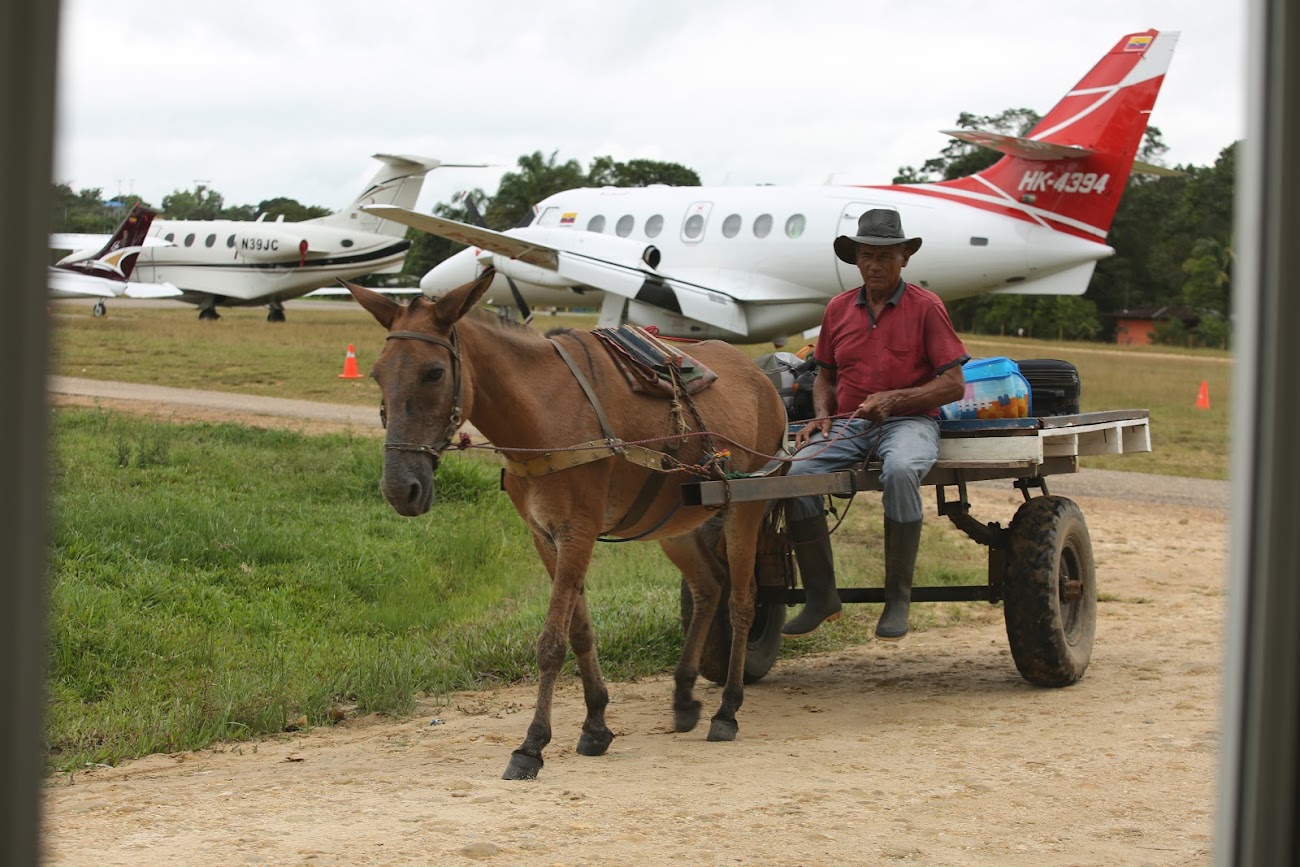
(116, 259)
(1070, 170)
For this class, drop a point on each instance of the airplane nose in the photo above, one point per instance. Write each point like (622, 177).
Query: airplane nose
(450, 273)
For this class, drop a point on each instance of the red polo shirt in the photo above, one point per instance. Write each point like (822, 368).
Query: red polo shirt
(911, 343)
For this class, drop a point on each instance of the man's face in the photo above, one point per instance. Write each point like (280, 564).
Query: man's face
(881, 267)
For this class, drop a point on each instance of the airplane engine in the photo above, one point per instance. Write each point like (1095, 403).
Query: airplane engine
(263, 246)
(621, 251)
(525, 273)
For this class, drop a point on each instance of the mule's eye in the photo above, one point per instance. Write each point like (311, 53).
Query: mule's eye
(433, 374)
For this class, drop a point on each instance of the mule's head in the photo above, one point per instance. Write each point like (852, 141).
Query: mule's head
(423, 386)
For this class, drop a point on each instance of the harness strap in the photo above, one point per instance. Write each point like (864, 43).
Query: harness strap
(586, 453)
(649, 491)
(605, 426)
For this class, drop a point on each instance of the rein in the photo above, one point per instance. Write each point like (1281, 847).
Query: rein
(454, 419)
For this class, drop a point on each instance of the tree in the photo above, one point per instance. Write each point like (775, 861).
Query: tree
(203, 203)
(1209, 277)
(290, 209)
(607, 172)
(537, 178)
(86, 211)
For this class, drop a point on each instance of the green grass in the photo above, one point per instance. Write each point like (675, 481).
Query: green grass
(218, 582)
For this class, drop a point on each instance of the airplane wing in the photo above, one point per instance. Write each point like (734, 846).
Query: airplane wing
(75, 284)
(151, 290)
(71, 284)
(639, 282)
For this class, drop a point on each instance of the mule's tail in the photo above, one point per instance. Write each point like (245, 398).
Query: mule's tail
(1069, 171)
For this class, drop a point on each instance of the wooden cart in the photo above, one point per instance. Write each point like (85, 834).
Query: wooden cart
(1040, 566)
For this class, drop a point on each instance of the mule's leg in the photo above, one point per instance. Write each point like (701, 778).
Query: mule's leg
(741, 531)
(566, 555)
(596, 736)
(693, 555)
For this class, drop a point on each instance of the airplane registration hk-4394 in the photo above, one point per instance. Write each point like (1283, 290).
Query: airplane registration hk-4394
(750, 264)
(252, 262)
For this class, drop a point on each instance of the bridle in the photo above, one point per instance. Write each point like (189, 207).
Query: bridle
(454, 420)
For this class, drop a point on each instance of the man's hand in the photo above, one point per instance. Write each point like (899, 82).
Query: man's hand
(878, 407)
(805, 433)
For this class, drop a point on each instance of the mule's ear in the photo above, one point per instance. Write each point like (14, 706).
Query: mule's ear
(461, 300)
(383, 308)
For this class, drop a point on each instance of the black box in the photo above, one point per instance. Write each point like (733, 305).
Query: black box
(1054, 386)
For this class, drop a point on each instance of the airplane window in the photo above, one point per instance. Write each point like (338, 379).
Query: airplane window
(549, 217)
(977, 241)
(794, 226)
(596, 223)
(654, 225)
(230, 242)
(624, 226)
(212, 239)
(347, 242)
(731, 226)
(694, 226)
(189, 240)
(762, 225)
(169, 237)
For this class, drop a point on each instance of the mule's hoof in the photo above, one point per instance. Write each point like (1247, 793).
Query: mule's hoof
(522, 767)
(723, 730)
(595, 744)
(686, 718)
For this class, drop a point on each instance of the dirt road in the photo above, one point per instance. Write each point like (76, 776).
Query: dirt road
(932, 751)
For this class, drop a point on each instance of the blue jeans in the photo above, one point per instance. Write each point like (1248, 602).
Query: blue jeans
(906, 445)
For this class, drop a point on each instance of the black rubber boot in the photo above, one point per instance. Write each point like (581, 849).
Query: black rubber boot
(901, 544)
(812, 549)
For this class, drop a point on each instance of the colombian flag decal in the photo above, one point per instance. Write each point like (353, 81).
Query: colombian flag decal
(567, 219)
(1138, 43)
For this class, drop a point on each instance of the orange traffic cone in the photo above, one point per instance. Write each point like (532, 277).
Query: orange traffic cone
(350, 365)
(1203, 396)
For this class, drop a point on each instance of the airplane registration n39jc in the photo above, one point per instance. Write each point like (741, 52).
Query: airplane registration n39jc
(749, 264)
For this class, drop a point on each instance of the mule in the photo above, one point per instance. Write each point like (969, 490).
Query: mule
(446, 362)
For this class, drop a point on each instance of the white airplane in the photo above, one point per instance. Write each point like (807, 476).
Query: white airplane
(252, 262)
(101, 266)
(750, 264)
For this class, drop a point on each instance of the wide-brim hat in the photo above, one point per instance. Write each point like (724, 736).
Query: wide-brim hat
(879, 227)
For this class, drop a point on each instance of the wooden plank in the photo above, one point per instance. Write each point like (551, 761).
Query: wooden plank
(996, 449)
(1053, 450)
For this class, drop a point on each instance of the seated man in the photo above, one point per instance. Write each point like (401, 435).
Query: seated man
(888, 358)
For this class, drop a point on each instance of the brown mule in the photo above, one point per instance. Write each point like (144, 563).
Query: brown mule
(446, 362)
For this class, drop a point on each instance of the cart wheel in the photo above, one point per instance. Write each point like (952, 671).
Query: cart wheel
(1050, 592)
(764, 638)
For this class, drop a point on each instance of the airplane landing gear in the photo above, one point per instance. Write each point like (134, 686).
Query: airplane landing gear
(276, 313)
(208, 312)
(100, 309)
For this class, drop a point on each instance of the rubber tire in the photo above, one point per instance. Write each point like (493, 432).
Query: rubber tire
(1051, 638)
(764, 638)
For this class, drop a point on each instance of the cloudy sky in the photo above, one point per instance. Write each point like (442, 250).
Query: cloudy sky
(259, 98)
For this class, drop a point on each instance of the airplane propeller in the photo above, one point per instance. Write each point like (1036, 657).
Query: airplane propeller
(477, 219)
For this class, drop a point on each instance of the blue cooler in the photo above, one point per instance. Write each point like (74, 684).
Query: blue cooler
(995, 388)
